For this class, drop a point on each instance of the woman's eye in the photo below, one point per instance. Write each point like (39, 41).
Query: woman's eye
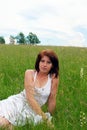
(49, 62)
(42, 60)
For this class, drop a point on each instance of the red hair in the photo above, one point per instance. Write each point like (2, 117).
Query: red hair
(54, 59)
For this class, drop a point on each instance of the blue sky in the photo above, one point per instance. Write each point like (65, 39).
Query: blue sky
(55, 22)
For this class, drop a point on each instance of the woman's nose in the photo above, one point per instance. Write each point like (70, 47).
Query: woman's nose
(45, 64)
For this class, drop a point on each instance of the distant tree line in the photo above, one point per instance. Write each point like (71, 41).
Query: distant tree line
(21, 39)
(2, 40)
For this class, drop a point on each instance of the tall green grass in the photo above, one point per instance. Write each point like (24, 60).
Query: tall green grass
(71, 109)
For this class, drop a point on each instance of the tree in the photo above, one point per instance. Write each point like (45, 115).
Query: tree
(12, 39)
(20, 38)
(2, 40)
(32, 38)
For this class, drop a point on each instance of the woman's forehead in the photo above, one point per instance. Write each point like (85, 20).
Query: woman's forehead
(45, 57)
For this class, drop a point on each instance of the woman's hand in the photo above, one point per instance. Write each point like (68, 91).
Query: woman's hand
(50, 124)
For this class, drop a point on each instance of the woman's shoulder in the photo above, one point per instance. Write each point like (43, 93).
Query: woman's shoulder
(30, 72)
(54, 78)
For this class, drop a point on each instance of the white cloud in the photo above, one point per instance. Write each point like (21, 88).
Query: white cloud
(49, 19)
(76, 39)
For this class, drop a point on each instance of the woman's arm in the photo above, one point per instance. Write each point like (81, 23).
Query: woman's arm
(52, 97)
(29, 88)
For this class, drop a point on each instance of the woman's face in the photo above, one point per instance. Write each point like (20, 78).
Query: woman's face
(45, 64)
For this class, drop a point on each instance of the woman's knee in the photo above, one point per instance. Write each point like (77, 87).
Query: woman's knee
(4, 121)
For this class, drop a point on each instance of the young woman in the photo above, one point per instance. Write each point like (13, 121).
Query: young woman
(41, 85)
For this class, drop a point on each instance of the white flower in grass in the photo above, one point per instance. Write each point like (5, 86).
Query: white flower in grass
(81, 73)
(83, 119)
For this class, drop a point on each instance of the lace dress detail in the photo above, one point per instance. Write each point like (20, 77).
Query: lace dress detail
(17, 110)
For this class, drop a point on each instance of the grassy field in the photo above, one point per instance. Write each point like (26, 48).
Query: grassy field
(71, 110)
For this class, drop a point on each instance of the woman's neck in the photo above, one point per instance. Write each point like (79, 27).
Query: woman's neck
(43, 75)
(41, 79)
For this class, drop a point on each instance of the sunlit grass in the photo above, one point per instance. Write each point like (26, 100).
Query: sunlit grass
(71, 109)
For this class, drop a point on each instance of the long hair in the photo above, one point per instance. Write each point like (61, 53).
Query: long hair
(54, 59)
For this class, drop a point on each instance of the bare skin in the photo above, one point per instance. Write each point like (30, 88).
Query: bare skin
(52, 97)
(4, 123)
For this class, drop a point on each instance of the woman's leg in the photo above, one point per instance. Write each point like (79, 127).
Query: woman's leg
(5, 123)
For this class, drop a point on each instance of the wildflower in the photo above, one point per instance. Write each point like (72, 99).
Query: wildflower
(81, 73)
(83, 119)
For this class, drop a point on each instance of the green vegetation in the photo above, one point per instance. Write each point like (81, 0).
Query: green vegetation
(71, 110)
(2, 40)
(30, 39)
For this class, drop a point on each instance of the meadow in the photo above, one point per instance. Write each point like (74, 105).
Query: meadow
(71, 109)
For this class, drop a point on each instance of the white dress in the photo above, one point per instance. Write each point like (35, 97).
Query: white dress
(17, 110)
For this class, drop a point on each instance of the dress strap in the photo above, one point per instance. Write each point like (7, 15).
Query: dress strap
(35, 74)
